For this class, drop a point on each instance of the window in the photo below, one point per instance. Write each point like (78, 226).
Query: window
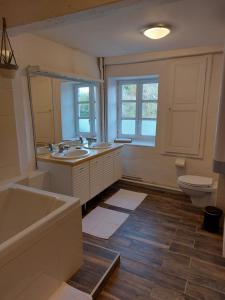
(78, 110)
(137, 108)
(85, 110)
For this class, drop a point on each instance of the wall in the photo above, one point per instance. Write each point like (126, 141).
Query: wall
(33, 50)
(149, 164)
(9, 162)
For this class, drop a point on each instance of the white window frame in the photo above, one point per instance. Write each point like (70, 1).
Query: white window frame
(92, 111)
(139, 82)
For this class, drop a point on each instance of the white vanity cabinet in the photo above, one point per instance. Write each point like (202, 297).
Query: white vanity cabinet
(108, 169)
(88, 178)
(96, 176)
(117, 165)
(80, 182)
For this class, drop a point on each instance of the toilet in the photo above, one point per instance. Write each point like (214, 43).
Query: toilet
(200, 189)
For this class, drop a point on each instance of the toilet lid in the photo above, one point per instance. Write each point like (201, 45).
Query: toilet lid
(196, 180)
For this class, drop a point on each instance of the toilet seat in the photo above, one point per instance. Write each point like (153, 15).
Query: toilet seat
(196, 181)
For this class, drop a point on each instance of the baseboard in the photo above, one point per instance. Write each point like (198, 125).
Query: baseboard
(140, 181)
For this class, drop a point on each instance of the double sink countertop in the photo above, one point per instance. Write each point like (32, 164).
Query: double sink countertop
(94, 153)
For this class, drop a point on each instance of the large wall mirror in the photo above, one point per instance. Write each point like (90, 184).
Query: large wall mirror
(63, 109)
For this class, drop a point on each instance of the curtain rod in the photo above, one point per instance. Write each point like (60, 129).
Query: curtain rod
(37, 71)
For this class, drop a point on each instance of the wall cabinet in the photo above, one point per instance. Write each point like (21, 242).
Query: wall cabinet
(87, 179)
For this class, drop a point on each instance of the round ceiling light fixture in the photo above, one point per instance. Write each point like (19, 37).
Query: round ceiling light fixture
(156, 32)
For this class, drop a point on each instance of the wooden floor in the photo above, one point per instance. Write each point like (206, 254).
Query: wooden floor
(165, 255)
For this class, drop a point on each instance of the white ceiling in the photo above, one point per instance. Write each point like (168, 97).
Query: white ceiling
(117, 31)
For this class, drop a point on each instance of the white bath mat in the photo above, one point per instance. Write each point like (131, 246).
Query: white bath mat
(67, 292)
(126, 199)
(102, 222)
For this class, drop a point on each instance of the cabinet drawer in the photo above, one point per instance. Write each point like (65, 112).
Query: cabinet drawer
(81, 182)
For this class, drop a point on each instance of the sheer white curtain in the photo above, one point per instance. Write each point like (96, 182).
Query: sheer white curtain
(219, 155)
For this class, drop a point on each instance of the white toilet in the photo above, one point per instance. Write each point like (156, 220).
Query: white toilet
(200, 189)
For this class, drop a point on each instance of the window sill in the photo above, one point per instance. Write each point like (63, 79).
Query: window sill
(137, 143)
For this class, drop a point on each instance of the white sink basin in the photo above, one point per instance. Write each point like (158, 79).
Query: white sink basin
(99, 146)
(71, 154)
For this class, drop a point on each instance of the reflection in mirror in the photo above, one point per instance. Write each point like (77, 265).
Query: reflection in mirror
(63, 111)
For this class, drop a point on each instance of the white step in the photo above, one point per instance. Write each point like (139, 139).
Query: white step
(67, 292)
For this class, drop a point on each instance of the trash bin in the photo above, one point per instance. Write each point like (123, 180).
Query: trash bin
(212, 218)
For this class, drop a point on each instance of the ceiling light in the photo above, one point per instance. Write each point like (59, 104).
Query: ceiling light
(156, 32)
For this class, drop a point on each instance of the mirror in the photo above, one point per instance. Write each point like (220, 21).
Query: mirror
(63, 110)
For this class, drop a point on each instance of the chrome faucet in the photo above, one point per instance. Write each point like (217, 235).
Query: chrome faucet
(81, 140)
(50, 147)
(90, 140)
(61, 147)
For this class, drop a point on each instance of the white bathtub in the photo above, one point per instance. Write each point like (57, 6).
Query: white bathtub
(40, 242)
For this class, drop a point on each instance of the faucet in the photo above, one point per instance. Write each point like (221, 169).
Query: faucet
(61, 147)
(50, 147)
(90, 140)
(81, 140)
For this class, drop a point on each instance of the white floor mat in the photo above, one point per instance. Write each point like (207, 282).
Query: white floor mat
(102, 222)
(126, 199)
(67, 292)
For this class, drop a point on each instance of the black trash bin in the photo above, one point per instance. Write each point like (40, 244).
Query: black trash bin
(212, 218)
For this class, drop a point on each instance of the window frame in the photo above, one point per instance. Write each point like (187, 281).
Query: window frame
(92, 109)
(139, 101)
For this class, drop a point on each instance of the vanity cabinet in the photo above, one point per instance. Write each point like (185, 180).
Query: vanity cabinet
(87, 179)
(96, 176)
(80, 182)
(108, 169)
(117, 165)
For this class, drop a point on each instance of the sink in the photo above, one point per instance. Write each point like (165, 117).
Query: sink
(71, 154)
(99, 146)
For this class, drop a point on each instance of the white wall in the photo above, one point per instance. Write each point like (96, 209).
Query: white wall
(149, 164)
(9, 162)
(33, 50)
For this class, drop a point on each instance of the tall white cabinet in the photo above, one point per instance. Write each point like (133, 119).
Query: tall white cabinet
(186, 108)
(87, 179)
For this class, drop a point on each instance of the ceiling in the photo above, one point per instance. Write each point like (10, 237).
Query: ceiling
(117, 31)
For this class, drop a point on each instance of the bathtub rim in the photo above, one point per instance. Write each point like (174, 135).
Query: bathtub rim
(18, 243)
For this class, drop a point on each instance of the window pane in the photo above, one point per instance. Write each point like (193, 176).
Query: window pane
(128, 110)
(148, 127)
(149, 110)
(150, 91)
(84, 125)
(95, 109)
(128, 91)
(84, 110)
(95, 93)
(83, 93)
(128, 126)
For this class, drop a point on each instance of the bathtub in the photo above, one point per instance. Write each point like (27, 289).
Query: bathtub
(40, 242)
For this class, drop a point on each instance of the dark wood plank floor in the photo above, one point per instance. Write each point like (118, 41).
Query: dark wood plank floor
(165, 255)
